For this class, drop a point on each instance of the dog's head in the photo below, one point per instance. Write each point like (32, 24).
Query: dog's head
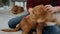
(40, 12)
(20, 10)
(17, 9)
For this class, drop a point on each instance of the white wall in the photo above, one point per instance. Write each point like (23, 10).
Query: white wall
(23, 4)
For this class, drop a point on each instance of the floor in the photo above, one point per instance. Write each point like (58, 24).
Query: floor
(6, 15)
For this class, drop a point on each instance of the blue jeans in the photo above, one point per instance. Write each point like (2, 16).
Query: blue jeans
(51, 30)
(14, 21)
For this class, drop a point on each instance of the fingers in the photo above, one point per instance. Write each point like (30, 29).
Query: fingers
(50, 8)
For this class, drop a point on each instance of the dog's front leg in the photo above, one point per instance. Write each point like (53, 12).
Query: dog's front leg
(39, 29)
(56, 21)
(26, 30)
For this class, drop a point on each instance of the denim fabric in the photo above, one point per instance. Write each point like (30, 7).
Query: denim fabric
(14, 21)
(51, 30)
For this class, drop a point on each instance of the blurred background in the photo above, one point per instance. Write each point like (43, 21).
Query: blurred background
(6, 14)
(8, 4)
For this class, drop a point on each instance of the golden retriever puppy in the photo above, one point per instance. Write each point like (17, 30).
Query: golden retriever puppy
(37, 20)
(17, 9)
(44, 17)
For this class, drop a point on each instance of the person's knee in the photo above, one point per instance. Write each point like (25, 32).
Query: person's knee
(12, 23)
(12, 26)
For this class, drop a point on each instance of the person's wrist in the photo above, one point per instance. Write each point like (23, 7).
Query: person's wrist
(58, 8)
(30, 9)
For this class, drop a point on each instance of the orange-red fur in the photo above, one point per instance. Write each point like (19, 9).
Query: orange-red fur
(40, 16)
(17, 9)
(44, 17)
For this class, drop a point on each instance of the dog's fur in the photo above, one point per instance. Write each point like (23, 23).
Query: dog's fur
(40, 16)
(44, 17)
(17, 9)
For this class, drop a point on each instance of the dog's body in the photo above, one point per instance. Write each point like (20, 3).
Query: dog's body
(38, 19)
(17, 9)
(45, 17)
(26, 24)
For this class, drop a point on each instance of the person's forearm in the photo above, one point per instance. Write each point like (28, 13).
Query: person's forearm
(58, 8)
(29, 8)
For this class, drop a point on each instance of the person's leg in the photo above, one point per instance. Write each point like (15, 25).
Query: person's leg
(14, 21)
(51, 30)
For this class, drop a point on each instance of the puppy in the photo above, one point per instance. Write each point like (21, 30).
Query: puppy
(45, 18)
(37, 20)
(17, 9)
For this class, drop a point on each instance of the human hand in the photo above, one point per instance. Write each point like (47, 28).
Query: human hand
(49, 7)
(52, 9)
(30, 10)
(55, 9)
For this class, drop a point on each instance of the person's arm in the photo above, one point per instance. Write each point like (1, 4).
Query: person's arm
(56, 9)
(53, 9)
(57, 3)
(29, 4)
